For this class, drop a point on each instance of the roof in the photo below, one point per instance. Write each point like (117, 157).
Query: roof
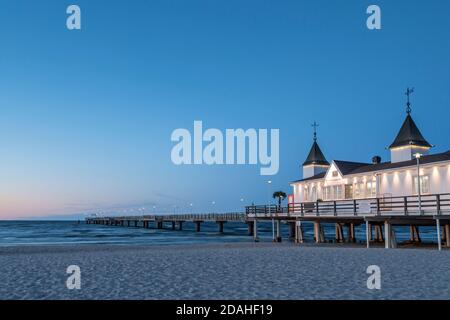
(349, 168)
(316, 156)
(345, 167)
(409, 134)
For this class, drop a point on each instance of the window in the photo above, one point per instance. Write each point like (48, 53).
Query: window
(337, 192)
(327, 193)
(359, 190)
(313, 194)
(348, 191)
(371, 189)
(334, 174)
(424, 185)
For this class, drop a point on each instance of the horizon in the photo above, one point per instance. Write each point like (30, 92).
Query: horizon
(87, 115)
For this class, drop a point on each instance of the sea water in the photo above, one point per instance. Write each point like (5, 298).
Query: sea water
(78, 232)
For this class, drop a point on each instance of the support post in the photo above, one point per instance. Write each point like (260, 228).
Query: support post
(278, 231)
(352, 232)
(438, 230)
(255, 230)
(316, 232)
(447, 235)
(250, 228)
(180, 225)
(291, 230)
(220, 226)
(173, 225)
(367, 234)
(197, 226)
(339, 233)
(387, 235)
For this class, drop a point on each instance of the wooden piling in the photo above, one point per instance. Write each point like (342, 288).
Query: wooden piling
(298, 232)
(197, 226)
(221, 223)
(250, 228)
(278, 231)
(387, 235)
(291, 230)
(351, 232)
(255, 230)
(447, 235)
(317, 232)
(339, 233)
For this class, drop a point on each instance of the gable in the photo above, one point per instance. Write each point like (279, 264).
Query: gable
(333, 173)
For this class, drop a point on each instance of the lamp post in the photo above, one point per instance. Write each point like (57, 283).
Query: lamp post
(419, 192)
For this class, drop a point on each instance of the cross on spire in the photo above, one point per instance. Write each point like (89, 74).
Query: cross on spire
(315, 125)
(408, 93)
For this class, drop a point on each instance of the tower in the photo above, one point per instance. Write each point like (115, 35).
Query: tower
(315, 162)
(409, 140)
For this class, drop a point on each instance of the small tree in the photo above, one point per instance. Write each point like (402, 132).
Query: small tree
(280, 195)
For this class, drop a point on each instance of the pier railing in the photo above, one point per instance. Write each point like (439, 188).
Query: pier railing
(232, 216)
(430, 205)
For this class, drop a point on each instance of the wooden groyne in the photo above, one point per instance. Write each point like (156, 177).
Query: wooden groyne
(377, 215)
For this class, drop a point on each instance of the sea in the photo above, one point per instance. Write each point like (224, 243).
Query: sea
(17, 233)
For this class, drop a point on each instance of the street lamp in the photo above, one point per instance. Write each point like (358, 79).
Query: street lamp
(419, 192)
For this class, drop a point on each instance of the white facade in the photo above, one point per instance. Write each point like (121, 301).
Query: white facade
(407, 153)
(313, 169)
(402, 181)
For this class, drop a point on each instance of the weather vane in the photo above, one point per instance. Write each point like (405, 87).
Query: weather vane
(408, 93)
(315, 125)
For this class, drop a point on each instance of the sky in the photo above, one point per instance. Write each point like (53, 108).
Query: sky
(86, 115)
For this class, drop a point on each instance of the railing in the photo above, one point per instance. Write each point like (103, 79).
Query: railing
(436, 204)
(232, 216)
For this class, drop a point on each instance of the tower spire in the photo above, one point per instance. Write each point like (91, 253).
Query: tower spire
(315, 125)
(408, 93)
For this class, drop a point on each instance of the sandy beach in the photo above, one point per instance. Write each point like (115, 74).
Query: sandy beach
(222, 271)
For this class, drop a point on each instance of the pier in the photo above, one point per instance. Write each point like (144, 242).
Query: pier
(171, 222)
(377, 215)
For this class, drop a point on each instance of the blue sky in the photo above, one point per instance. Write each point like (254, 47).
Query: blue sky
(86, 116)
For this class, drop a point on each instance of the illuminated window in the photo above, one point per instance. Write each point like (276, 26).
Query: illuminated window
(348, 191)
(334, 174)
(313, 194)
(371, 189)
(337, 190)
(424, 185)
(359, 190)
(327, 193)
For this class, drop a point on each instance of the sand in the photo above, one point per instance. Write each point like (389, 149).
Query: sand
(222, 271)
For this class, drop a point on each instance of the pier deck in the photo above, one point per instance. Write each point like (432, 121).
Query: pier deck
(377, 214)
